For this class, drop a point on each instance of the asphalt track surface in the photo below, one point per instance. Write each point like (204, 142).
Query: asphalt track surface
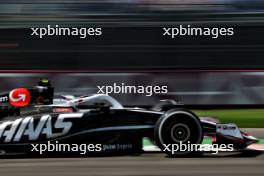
(152, 164)
(147, 164)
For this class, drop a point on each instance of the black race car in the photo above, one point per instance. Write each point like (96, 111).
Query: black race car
(31, 117)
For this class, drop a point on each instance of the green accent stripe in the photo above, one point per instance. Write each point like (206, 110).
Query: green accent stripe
(207, 141)
(147, 142)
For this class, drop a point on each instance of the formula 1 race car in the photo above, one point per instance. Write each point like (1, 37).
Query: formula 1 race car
(32, 116)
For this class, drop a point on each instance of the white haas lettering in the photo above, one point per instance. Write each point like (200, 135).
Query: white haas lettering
(26, 127)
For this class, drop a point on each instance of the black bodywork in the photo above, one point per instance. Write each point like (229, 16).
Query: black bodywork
(117, 130)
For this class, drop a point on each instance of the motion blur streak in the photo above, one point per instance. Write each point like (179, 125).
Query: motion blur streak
(193, 88)
(82, 7)
(8, 45)
(132, 29)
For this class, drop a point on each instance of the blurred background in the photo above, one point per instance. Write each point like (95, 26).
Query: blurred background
(132, 34)
(191, 88)
(133, 50)
(95, 7)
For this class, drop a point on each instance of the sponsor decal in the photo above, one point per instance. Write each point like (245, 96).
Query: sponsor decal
(31, 128)
(19, 97)
(3, 99)
(62, 110)
(116, 147)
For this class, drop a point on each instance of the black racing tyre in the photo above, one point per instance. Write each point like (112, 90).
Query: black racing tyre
(175, 127)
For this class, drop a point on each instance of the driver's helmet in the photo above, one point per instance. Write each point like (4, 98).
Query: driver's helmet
(43, 93)
(44, 82)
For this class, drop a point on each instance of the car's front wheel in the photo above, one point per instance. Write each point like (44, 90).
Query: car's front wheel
(177, 130)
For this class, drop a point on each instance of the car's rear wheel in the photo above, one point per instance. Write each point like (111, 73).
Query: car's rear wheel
(176, 131)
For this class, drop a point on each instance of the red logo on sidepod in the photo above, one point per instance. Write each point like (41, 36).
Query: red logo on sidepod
(19, 97)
